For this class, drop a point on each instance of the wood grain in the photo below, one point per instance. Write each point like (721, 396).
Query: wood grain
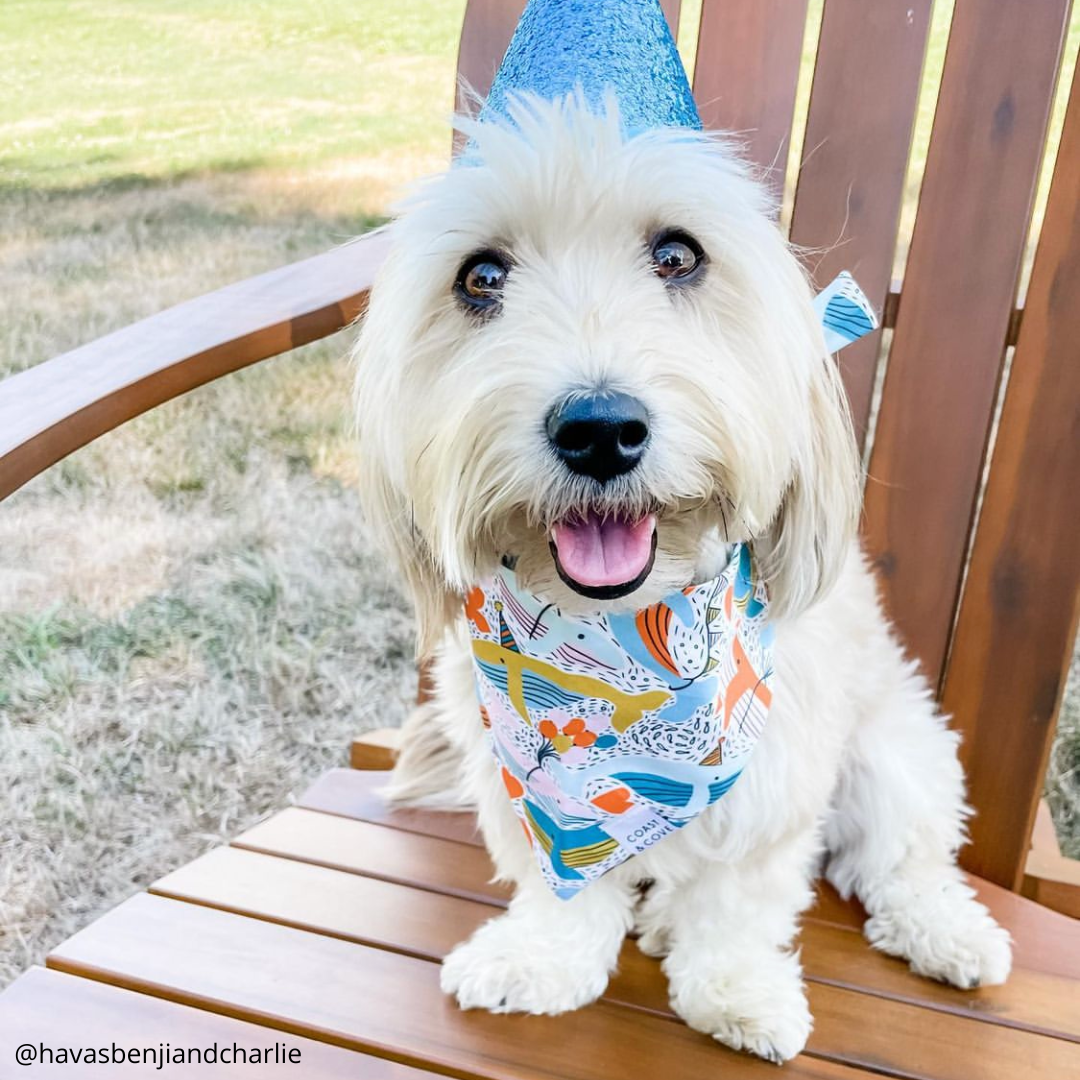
(854, 160)
(1055, 886)
(961, 278)
(747, 72)
(1017, 621)
(386, 1003)
(486, 31)
(57, 1010)
(672, 10)
(442, 865)
(339, 792)
(1045, 941)
(890, 1036)
(54, 408)
(424, 924)
(376, 750)
(368, 910)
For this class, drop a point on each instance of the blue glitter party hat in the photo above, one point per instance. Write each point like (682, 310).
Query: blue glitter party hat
(620, 47)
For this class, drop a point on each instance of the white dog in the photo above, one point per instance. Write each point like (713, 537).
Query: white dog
(567, 263)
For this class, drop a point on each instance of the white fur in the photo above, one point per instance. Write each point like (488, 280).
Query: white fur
(750, 441)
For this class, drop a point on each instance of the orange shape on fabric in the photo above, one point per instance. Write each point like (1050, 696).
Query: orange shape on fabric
(614, 802)
(513, 785)
(653, 624)
(584, 738)
(548, 729)
(746, 681)
(575, 727)
(474, 602)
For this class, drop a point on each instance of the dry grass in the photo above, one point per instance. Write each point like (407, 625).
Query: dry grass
(185, 685)
(191, 626)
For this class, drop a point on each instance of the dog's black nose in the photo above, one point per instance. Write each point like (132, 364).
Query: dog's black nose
(602, 434)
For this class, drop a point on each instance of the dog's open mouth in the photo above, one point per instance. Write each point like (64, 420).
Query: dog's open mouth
(606, 557)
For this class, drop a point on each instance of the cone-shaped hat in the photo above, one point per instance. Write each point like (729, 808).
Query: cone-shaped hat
(625, 48)
(622, 47)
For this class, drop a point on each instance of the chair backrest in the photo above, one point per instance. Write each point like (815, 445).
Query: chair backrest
(971, 513)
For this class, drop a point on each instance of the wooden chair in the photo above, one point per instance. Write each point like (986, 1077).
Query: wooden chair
(319, 928)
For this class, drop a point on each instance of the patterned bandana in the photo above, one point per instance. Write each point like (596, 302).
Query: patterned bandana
(613, 731)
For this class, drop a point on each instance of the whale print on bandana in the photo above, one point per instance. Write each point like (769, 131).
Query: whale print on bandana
(613, 731)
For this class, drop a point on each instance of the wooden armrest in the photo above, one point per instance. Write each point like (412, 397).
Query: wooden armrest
(54, 408)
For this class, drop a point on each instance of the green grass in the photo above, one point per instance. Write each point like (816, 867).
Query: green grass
(125, 91)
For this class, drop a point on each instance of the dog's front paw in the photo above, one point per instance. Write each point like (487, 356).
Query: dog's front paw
(503, 969)
(758, 1006)
(951, 938)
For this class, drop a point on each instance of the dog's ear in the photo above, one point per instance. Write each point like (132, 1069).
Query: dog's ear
(382, 468)
(804, 549)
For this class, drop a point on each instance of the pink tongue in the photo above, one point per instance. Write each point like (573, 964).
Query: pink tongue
(609, 552)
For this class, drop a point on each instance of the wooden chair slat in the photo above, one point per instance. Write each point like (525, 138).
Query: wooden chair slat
(367, 910)
(1017, 621)
(1045, 941)
(747, 73)
(894, 1038)
(58, 1010)
(486, 30)
(867, 1031)
(378, 749)
(353, 793)
(386, 1003)
(672, 9)
(420, 923)
(50, 410)
(1056, 887)
(441, 865)
(854, 159)
(959, 287)
(1031, 999)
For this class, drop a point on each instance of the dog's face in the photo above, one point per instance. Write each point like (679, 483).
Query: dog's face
(597, 357)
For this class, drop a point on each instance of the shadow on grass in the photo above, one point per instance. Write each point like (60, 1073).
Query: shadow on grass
(186, 212)
(183, 207)
(14, 180)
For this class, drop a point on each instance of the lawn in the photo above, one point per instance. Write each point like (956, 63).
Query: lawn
(191, 623)
(191, 626)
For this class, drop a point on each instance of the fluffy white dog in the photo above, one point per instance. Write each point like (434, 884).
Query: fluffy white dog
(647, 279)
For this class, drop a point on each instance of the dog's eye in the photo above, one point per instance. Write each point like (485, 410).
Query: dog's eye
(677, 257)
(481, 279)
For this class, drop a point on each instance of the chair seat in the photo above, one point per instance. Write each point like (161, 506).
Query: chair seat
(321, 929)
